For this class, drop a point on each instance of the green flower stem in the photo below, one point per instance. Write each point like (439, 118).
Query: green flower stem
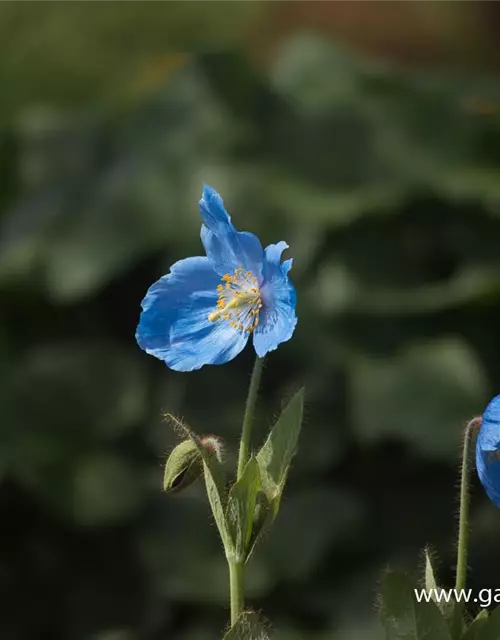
(236, 565)
(246, 431)
(236, 588)
(463, 527)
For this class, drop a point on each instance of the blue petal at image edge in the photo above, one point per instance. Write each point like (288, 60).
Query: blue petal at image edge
(487, 450)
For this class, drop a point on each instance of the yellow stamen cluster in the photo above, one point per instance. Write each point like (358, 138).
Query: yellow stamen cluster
(239, 301)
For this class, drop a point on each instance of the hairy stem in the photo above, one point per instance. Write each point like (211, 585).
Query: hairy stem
(463, 527)
(246, 431)
(236, 565)
(236, 589)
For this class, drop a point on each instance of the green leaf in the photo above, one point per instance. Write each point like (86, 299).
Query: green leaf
(276, 455)
(406, 619)
(216, 496)
(430, 579)
(214, 481)
(453, 610)
(485, 628)
(247, 627)
(454, 615)
(262, 520)
(477, 626)
(241, 507)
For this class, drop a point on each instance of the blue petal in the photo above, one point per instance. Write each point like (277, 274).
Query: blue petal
(487, 448)
(174, 325)
(188, 282)
(277, 320)
(196, 341)
(212, 209)
(227, 248)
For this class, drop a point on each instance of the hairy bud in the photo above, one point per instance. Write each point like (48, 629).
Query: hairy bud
(185, 463)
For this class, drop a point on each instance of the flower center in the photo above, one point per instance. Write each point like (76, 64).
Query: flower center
(239, 301)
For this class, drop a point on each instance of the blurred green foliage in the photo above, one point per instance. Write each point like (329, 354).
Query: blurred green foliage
(385, 183)
(73, 54)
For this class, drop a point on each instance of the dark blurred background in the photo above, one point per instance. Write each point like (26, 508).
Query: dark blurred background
(367, 135)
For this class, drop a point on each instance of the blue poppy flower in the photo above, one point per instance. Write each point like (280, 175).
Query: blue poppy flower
(488, 451)
(205, 310)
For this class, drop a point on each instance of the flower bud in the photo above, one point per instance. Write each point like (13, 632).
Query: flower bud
(185, 463)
